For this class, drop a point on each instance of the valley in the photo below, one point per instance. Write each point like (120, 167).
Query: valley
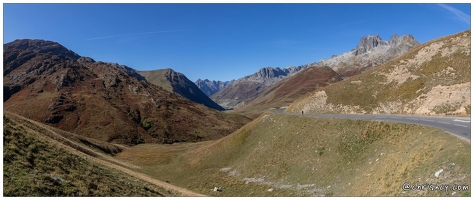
(364, 123)
(346, 157)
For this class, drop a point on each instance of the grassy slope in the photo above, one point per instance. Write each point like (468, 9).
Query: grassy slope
(374, 88)
(158, 78)
(35, 164)
(299, 156)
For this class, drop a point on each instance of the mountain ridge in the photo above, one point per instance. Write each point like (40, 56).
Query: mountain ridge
(178, 83)
(371, 51)
(247, 88)
(104, 101)
(211, 87)
(284, 92)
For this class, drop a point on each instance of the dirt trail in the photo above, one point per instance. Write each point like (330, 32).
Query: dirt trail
(175, 189)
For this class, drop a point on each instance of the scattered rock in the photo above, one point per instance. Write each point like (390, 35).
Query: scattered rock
(218, 189)
(438, 172)
(270, 190)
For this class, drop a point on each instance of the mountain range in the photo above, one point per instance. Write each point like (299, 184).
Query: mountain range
(211, 87)
(370, 52)
(284, 92)
(245, 89)
(46, 82)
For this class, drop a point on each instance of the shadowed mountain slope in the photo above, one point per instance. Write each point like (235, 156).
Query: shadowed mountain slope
(178, 83)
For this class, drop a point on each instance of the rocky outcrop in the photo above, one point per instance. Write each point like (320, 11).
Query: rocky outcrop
(368, 43)
(371, 51)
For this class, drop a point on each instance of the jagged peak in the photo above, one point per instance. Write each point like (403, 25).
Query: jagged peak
(368, 43)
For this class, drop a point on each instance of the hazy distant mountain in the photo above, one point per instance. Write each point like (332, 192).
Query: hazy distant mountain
(178, 83)
(211, 87)
(370, 52)
(245, 89)
(430, 79)
(46, 82)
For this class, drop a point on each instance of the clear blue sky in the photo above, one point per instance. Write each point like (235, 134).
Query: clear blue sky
(224, 41)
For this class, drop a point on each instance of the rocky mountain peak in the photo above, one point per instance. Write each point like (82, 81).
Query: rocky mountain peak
(396, 40)
(270, 72)
(368, 43)
(40, 47)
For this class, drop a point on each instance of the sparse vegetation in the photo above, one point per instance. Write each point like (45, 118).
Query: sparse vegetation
(32, 166)
(446, 108)
(300, 156)
(404, 84)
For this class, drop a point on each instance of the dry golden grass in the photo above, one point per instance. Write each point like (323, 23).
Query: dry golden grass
(300, 156)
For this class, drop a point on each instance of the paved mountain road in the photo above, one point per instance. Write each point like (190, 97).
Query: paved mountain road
(460, 126)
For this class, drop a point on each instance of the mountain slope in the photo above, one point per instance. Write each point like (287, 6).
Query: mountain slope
(287, 90)
(211, 87)
(246, 89)
(288, 155)
(46, 82)
(430, 79)
(35, 164)
(371, 51)
(178, 83)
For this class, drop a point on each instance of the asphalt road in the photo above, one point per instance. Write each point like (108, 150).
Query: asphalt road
(460, 126)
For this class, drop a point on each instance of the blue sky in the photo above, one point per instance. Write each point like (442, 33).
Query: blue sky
(224, 41)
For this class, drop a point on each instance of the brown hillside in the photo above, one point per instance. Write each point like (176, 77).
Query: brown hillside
(287, 90)
(105, 101)
(246, 89)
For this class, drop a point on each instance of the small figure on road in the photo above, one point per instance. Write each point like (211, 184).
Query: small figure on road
(302, 112)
